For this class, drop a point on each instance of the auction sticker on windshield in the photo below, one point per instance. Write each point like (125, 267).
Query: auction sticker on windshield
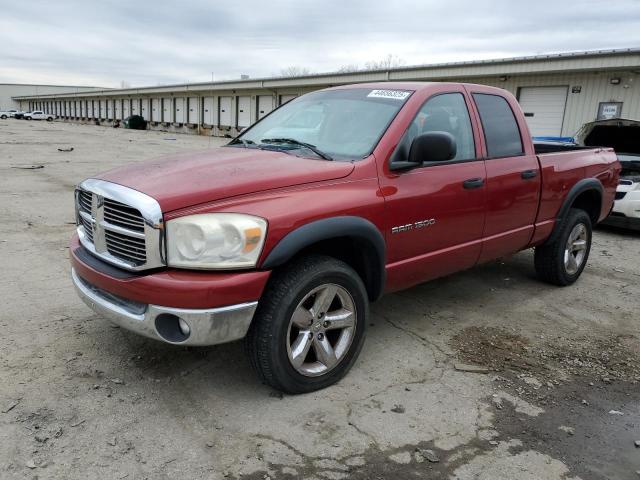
(395, 94)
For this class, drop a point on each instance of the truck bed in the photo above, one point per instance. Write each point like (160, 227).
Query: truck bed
(565, 166)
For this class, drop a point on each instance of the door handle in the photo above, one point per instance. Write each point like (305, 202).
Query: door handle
(473, 183)
(529, 174)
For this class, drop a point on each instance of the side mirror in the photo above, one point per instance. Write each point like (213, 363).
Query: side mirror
(432, 147)
(428, 147)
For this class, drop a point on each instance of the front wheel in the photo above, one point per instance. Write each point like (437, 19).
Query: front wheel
(3, 117)
(562, 261)
(309, 326)
(28, 118)
(49, 119)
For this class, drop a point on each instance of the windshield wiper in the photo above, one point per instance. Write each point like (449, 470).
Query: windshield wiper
(293, 141)
(245, 143)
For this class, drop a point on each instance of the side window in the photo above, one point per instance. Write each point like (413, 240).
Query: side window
(446, 113)
(501, 130)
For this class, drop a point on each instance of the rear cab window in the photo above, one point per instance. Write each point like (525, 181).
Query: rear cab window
(500, 126)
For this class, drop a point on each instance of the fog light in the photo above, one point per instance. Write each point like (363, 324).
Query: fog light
(184, 327)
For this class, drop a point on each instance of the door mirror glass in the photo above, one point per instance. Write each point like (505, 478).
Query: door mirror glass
(432, 147)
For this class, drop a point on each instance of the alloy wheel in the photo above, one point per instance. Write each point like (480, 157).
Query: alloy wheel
(321, 330)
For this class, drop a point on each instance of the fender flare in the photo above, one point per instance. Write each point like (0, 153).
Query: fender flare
(580, 187)
(357, 228)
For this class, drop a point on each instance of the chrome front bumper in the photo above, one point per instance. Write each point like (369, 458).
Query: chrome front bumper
(203, 327)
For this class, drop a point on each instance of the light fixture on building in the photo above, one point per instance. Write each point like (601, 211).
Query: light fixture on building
(614, 81)
(503, 78)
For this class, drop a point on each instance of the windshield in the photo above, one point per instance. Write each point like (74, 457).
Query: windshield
(344, 124)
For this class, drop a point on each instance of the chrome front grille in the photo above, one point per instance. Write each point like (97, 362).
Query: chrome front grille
(88, 227)
(130, 248)
(123, 215)
(84, 200)
(120, 225)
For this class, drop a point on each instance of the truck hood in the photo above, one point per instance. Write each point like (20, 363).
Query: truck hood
(623, 135)
(184, 180)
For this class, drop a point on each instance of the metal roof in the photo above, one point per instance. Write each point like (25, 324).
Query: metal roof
(545, 63)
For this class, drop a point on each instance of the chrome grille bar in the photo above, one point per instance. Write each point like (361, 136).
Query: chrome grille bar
(120, 225)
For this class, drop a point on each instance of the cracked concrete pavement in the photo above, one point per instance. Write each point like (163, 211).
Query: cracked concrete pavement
(82, 399)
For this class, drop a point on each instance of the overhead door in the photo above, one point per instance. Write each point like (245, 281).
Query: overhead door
(180, 110)
(89, 108)
(207, 114)
(144, 108)
(225, 112)
(265, 105)
(156, 110)
(135, 106)
(167, 110)
(286, 98)
(126, 108)
(244, 111)
(543, 108)
(194, 107)
(110, 109)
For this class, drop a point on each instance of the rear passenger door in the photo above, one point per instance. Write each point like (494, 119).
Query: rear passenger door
(513, 175)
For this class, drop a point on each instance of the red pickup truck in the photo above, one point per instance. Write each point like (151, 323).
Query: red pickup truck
(285, 235)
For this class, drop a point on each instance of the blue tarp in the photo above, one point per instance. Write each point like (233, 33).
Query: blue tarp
(555, 139)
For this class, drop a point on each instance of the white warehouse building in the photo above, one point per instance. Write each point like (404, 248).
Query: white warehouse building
(558, 93)
(9, 91)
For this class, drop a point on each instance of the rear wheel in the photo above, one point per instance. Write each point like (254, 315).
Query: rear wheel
(309, 327)
(3, 117)
(49, 119)
(562, 261)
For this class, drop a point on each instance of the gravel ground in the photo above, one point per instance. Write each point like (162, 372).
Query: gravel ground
(554, 394)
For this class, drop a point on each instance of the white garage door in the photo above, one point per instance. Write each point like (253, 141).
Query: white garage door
(225, 112)
(194, 110)
(156, 110)
(244, 111)
(265, 105)
(167, 110)
(144, 108)
(180, 110)
(543, 108)
(207, 114)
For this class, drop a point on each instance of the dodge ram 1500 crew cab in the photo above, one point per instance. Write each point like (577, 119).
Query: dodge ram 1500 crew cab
(285, 235)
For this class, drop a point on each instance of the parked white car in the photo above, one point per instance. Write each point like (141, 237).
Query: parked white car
(7, 113)
(38, 115)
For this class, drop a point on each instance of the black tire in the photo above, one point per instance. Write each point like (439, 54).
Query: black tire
(49, 119)
(28, 118)
(268, 337)
(549, 259)
(3, 117)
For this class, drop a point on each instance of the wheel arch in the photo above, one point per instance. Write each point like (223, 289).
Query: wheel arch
(354, 240)
(586, 195)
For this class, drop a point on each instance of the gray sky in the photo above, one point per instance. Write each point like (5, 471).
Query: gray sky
(158, 42)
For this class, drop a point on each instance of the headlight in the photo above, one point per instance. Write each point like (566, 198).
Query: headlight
(215, 241)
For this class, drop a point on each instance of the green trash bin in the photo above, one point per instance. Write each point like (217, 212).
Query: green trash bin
(135, 122)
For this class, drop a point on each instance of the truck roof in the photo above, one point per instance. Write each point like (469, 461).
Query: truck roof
(415, 86)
